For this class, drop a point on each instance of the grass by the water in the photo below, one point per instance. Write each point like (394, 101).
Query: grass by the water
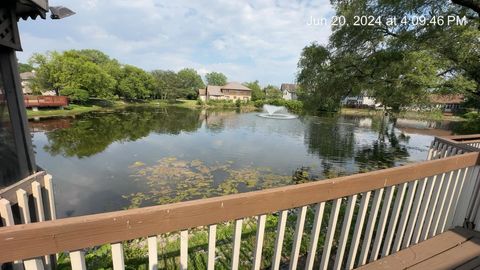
(74, 109)
(432, 116)
(70, 110)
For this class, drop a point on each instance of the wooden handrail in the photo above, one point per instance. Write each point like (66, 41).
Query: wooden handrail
(70, 234)
(460, 145)
(462, 138)
(9, 193)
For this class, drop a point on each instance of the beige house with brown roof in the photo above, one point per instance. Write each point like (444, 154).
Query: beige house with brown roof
(231, 91)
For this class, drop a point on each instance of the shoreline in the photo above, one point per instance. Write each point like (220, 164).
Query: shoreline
(192, 104)
(80, 109)
(421, 116)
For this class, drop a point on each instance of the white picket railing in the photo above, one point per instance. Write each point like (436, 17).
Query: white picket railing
(37, 191)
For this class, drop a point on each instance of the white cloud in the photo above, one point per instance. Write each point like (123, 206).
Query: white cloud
(246, 40)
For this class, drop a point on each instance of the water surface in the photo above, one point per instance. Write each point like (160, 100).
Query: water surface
(145, 156)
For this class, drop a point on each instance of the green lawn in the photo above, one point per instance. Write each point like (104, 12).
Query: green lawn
(70, 110)
(74, 109)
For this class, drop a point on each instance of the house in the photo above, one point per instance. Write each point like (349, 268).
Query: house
(202, 94)
(26, 80)
(360, 101)
(289, 91)
(231, 91)
(447, 103)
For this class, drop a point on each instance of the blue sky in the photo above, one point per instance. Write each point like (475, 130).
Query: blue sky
(247, 40)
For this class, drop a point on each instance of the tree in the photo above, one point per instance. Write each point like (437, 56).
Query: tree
(57, 71)
(167, 84)
(109, 65)
(75, 95)
(190, 83)
(135, 83)
(272, 92)
(44, 79)
(322, 90)
(399, 64)
(216, 78)
(22, 67)
(257, 93)
(453, 48)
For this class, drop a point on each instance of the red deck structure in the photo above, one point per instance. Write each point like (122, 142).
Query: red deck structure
(45, 101)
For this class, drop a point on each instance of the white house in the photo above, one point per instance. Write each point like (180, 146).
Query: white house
(289, 91)
(447, 103)
(362, 100)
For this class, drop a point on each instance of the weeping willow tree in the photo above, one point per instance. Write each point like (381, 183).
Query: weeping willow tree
(431, 46)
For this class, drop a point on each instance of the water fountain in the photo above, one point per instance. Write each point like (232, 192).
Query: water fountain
(276, 112)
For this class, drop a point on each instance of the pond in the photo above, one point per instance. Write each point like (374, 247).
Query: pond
(141, 156)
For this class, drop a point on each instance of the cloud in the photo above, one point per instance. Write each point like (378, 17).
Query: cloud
(247, 40)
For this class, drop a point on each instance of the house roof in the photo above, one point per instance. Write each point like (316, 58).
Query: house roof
(214, 90)
(27, 75)
(202, 92)
(235, 86)
(290, 87)
(447, 99)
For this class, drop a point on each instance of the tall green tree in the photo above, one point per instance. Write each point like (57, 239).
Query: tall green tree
(216, 78)
(272, 92)
(108, 64)
(167, 84)
(190, 83)
(71, 70)
(257, 93)
(320, 80)
(400, 63)
(135, 83)
(44, 79)
(22, 67)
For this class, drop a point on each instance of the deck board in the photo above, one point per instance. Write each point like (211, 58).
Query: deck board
(472, 264)
(452, 258)
(458, 248)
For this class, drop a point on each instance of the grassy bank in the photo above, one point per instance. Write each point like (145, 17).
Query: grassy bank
(430, 116)
(69, 111)
(215, 104)
(100, 105)
(74, 109)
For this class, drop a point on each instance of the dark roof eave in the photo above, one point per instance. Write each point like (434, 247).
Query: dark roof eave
(31, 9)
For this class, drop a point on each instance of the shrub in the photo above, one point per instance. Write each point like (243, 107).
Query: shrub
(238, 103)
(259, 103)
(75, 95)
(294, 105)
(220, 103)
(200, 102)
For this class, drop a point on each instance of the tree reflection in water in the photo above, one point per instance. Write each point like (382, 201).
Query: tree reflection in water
(384, 152)
(90, 134)
(332, 139)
